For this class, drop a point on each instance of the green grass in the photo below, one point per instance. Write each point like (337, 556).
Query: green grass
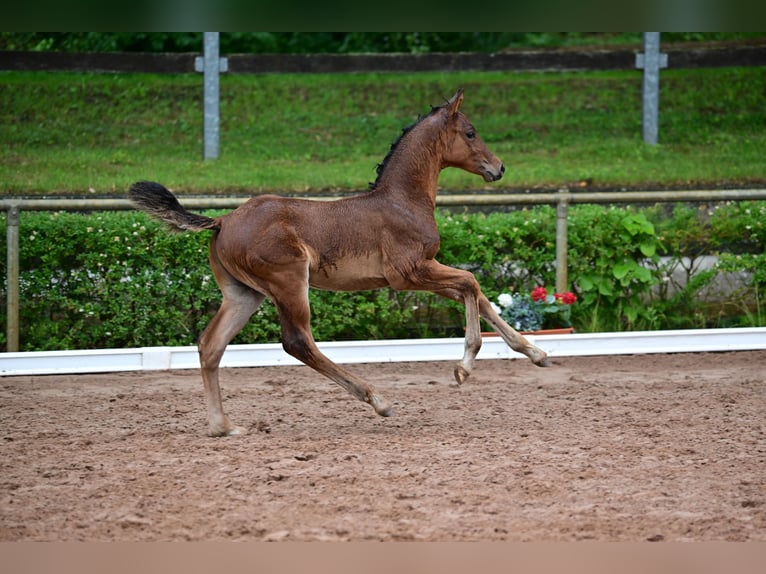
(75, 134)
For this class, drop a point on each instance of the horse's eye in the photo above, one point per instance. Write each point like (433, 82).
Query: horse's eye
(470, 134)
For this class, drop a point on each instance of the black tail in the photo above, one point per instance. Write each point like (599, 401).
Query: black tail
(158, 202)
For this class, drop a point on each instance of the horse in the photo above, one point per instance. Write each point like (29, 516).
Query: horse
(279, 247)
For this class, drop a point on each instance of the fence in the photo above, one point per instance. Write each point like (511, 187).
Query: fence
(562, 199)
(514, 60)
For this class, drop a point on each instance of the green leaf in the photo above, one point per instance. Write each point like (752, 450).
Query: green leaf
(622, 269)
(648, 248)
(605, 288)
(643, 274)
(631, 313)
(585, 282)
(636, 224)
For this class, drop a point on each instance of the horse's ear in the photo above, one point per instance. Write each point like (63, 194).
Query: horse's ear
(453, 105)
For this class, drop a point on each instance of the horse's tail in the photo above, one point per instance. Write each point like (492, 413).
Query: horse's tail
(158, 202)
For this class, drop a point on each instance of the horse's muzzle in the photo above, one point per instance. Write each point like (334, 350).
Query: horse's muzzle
(492, 174)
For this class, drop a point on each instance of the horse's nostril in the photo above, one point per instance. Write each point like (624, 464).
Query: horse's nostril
(502, 168)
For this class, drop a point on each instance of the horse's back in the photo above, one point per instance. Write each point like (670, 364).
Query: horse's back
(338, 244)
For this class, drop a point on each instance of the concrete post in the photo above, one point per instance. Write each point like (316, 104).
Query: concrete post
(211, 65)
(651, 61)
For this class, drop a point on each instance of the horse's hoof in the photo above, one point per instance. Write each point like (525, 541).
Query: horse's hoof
(382, 406)
(232, 431)
(461, 374)
(545, 362)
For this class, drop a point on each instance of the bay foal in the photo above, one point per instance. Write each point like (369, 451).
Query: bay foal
(278, 247)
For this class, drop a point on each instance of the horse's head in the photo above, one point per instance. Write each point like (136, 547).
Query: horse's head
(464, 148)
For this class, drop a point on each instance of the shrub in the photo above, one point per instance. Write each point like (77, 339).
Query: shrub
(608, 251)
(742, 228)
(110, 280)
(104, 280)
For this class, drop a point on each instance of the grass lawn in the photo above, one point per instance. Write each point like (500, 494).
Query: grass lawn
(80, 134)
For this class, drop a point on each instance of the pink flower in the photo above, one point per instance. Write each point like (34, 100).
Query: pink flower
(539, 294)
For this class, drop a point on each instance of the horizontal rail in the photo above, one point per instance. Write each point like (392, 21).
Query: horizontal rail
(348, 352)
(720, 55)
(715, 55)
(478, 199)
(602, 197)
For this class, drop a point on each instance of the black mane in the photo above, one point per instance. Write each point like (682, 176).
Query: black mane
(380, 168)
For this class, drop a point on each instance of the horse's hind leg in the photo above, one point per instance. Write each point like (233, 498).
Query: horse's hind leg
(298, 341)
(239, 303)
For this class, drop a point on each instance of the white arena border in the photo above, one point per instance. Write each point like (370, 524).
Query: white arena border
(451, 349)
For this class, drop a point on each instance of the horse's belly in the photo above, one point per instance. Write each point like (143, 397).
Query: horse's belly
(349, 275)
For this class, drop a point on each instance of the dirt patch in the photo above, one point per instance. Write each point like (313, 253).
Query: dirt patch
(627, 448)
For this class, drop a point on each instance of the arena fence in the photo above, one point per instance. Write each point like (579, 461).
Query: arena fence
(348, 352)
(691, 56)
(562, 199)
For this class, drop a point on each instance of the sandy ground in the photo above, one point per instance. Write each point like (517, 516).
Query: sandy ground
(627, 448)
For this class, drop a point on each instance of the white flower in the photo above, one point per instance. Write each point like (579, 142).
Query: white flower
(505, 300)
(495, 308)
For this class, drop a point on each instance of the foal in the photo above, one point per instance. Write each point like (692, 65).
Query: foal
(278, 247)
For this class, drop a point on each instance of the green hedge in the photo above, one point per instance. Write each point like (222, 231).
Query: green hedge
(111, 280)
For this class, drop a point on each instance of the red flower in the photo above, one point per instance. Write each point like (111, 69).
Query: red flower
(539, 294)
(566, 298)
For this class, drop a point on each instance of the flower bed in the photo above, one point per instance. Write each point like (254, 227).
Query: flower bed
(537, 310)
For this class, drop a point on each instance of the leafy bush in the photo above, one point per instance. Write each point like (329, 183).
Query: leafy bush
(506, 251)
(104, 280)
(742, 227)
(110, 280)
(609, 248)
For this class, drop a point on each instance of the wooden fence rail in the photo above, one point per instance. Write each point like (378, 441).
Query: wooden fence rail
(708, 56)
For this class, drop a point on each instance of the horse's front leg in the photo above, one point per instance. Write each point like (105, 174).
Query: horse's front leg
(478, 305)
(472, 339)
(455, 284)
(511, 336)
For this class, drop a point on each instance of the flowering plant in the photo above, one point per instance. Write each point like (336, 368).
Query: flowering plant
(536, 310)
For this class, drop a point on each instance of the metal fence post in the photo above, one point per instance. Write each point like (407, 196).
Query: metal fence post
(211, 65)
(12, 287)
(562, 243)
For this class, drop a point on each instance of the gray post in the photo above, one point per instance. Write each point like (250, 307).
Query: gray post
(12, 278)
(562, 212)
(211, 65)
(651, 61)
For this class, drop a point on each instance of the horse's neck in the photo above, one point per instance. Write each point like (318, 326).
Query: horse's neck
(413, 170)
